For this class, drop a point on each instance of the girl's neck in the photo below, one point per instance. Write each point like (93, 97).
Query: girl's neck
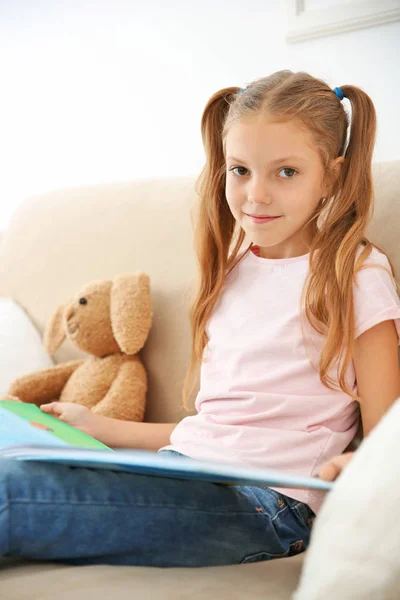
(255, 253)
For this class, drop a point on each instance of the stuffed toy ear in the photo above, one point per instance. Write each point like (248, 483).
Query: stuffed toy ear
(54, 334)
(130, 308)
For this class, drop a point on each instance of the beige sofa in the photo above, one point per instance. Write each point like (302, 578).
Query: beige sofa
(57, 242)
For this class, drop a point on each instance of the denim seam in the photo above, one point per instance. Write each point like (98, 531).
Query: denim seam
(280, 510)
(114, 504)
(298, 511)
(278, 514)
(273, 555)
(287, 505)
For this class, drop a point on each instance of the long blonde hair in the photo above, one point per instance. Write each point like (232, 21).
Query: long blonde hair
(338, 224)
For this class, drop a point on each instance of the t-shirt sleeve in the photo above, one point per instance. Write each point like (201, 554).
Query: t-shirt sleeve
(376, 298)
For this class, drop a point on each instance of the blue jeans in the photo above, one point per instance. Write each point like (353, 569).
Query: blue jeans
(84, 516)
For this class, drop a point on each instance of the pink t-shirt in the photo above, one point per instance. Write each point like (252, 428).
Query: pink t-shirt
(261, 403)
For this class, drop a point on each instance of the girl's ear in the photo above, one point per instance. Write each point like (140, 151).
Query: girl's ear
(337, 165)
(335, 168)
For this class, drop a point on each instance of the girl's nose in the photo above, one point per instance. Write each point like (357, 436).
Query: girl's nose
(258, 193)
(260, 198)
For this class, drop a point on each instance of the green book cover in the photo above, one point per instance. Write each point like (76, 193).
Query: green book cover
(27, 424)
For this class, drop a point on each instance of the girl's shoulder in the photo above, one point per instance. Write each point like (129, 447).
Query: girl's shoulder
(373, 275)
(376, 295)
(375, 258)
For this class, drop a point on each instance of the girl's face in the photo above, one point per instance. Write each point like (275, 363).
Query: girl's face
(273, 169)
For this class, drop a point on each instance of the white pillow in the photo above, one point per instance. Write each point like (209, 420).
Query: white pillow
(355, 540)
(21, 347)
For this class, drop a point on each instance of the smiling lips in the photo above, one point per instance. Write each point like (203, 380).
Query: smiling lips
(262, 219)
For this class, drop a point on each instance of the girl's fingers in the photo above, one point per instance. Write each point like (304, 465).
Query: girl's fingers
(334, 467)
(329, 471)
(53, 407)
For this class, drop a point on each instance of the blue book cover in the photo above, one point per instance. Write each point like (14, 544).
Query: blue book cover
(26, 433)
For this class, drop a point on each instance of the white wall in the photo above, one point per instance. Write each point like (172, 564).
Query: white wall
(113, 90)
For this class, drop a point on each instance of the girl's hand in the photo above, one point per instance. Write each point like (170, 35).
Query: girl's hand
(331, 469)
(76, 415)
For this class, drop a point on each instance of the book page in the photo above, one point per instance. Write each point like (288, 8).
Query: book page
(15, 431)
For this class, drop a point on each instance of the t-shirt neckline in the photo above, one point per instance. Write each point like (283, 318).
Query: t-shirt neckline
(276, 261)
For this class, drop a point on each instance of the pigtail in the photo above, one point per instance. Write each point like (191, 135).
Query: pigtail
(347, 215)
(215, 226)
(356, 182)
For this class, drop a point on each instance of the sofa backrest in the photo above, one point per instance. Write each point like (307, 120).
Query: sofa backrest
(59, 241)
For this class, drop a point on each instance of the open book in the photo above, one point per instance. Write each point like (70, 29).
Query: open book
(27, 433)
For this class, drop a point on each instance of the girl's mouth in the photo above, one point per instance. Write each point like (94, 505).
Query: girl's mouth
(262, 219)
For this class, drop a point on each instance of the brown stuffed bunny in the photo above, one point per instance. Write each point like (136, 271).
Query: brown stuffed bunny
(111, 321)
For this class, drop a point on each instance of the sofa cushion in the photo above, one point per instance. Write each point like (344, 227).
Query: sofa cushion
(268, 580)
(21, 347)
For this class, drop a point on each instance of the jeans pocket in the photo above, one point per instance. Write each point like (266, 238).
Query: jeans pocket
(293, 549)
(305, 513)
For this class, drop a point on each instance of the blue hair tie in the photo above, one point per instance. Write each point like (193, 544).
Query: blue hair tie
(338, 93)
(241, 90)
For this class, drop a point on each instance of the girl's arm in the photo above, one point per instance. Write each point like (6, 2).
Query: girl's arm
(112, 432)
(376, 365)
(130, 434)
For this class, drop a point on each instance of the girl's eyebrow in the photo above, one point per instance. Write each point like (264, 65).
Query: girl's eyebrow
(275, 161)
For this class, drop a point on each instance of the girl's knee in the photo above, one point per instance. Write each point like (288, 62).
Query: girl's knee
(13, 474)
(9, 466)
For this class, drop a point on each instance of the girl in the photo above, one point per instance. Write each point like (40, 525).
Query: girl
(292, 335)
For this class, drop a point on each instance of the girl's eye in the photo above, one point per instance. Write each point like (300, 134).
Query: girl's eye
(233, 168)
(289, 173)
